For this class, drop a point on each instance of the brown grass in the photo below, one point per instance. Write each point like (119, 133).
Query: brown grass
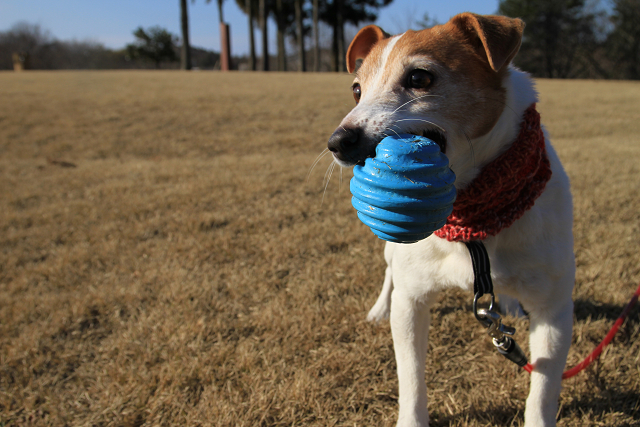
(183, 272)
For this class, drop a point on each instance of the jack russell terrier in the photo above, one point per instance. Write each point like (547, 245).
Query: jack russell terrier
(455, 84)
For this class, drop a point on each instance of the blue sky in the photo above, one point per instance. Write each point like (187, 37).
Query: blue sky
(111, 22)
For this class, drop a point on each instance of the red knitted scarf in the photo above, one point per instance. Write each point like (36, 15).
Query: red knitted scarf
(505, 188)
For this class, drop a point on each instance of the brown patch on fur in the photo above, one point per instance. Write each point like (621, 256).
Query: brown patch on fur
(475, 52)
(362, 44)
(500, 36)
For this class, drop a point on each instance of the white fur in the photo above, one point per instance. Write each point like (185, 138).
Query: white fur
(532, 262)
(379, 82)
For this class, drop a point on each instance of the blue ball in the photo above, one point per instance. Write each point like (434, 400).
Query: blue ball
(406, 192)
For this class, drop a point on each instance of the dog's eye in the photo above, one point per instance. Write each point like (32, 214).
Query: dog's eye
(357, 92)
(420, 79)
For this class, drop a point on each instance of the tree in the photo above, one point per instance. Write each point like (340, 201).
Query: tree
(338, 37)
(26, 38)
(155, 45)
(338, 13)
(302, 64)
(285, 18)
(264, 15)
(41, 51)
(281, 27)
(220, 15)
(290, 17)
(284, 13)
(250, 7)
(252, 43)
(316, 36)
(427, 21)
(623, 43)
(185, 53)
(559, 37)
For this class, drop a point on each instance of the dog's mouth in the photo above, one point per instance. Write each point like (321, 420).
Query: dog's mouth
(433, 134)
(437, 137)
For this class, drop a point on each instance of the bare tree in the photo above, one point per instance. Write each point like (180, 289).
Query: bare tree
(316, 36)
(264, 14)
(302, 64)
(252, 43)
(339, 37)
(185, 53)
(250, 7)
(220, 15)
(280, 22)
(338, 13)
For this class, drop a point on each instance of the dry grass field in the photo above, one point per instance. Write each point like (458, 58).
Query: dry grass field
(163, 261)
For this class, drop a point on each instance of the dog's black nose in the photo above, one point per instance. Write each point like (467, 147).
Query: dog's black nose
(343, 141)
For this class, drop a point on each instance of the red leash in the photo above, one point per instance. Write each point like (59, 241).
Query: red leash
(598, 350)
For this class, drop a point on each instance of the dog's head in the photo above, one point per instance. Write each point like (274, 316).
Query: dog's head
(444, 83)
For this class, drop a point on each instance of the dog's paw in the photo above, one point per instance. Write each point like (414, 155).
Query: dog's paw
(378, 313)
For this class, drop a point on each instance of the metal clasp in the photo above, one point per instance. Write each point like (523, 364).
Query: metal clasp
(483, 319)
(500, 333)
(492, 321)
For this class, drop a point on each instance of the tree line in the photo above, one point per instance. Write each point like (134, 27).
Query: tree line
(37, 49)
(578, 38)
(563, 38)
(296, 19)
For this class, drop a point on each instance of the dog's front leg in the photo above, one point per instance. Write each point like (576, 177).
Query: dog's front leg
(410, 329)
(550, 339)
(381, 308)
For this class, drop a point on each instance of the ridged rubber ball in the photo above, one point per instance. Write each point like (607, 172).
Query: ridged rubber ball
(406, 191)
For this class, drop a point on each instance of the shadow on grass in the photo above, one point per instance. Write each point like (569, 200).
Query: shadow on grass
(585, 310)
(622, 403)
(503, 416)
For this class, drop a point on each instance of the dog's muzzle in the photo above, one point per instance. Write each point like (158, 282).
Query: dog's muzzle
(350, 147)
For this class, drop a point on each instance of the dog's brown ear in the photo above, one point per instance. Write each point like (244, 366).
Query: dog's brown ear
(362, 44)
(498, 38)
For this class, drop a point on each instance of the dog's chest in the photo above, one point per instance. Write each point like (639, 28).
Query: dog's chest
(435, 264)
(431, 265)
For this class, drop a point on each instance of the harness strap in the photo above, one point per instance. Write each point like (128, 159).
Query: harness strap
(482, 283)
(491, 320)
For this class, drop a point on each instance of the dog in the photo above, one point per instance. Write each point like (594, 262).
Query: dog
(455, 84)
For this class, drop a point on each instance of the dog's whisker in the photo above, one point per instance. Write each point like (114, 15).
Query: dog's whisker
(503, 103)
(322, 153)
(415, 99)
(440, 128)
(330, 172)
(393, 131)
(473, 155)
(316, 161)
(326, 174)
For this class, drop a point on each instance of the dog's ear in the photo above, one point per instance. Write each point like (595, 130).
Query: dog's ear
(362, 44)
(497, 38)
